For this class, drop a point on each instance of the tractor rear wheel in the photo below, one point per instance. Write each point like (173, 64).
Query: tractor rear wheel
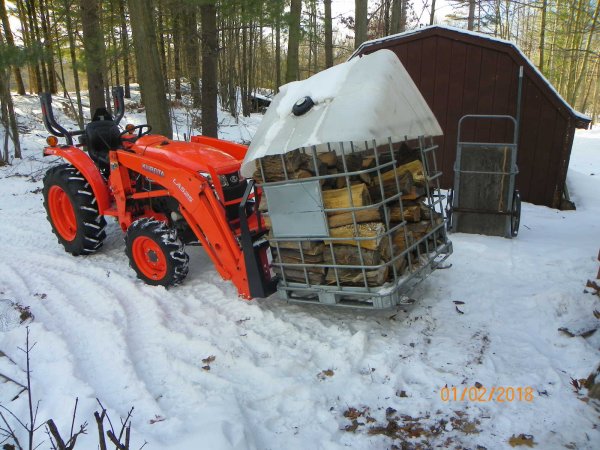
(155, 253)
(72, 210)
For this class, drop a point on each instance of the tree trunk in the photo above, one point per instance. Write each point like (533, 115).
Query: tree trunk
(29, 35)
(210, 47)
(432, 17)
(277, 52)
(543, 35)
(149, 72)
(328, 35)
(125, 48)
(360, 22)
(44, 10)
(471, 18)
(9, 119)
(192, 53)
(93, 46)
(291, 72)
(72, 52)
(177, 51)
(11, 43)
(161, 43)
(586, 55)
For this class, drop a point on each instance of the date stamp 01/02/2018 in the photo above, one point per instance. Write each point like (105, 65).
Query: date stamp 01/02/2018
(482, 394)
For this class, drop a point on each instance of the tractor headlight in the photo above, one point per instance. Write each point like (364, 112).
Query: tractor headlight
(224, 180)
(230, 179)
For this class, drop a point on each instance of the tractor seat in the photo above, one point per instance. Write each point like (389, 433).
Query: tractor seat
(100, 137)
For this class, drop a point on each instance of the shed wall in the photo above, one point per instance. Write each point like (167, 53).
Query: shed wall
(472, 75)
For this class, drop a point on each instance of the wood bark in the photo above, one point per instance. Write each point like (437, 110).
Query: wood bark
(74, 63)
(471, 17)
(150, 75)
(11, 43)
(328, 23)
(292, 69)
(210, 47)
(125, 48)
(191, 48)
(93, 45)
(360, 22)
(543, 35)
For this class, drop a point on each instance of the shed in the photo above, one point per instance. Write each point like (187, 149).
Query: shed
(460, 72)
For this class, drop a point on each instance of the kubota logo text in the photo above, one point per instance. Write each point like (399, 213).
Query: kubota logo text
(183, 190)
(153, 170)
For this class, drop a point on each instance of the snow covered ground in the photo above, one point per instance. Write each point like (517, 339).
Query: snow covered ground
(204, 369)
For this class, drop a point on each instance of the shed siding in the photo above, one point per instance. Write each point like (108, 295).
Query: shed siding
(460, 74)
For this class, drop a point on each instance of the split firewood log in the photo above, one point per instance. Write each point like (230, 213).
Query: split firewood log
(295, 257)
(390, 188)
(340, 198)
(308, 247)
(308, 164)
(372, 230)
(315, 275)
(328, 158)
(348, 255)
(354, 277)
(347, 218)
(411, 214)
(273, 167)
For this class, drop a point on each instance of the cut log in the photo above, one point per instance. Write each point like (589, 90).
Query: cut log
(295, 257)
(328, 158)
(308, 247)
(354, 162)
(345, 218)
(417, 171)
(298, 276)
(414, 193)
(340, 198)
(373, 230)
(273, 168)
(400, 262)
(400, 240)
(308, 164)
(390, 188)
(348, 255)
(354, 277)
(411, 214)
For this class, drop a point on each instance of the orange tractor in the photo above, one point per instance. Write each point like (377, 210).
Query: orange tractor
(165, 195)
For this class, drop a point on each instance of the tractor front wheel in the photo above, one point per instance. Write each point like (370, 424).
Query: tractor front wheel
(72, 210)
(155, 253)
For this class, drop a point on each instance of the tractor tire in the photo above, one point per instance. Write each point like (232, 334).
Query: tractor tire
(156, 253)
(72, 210)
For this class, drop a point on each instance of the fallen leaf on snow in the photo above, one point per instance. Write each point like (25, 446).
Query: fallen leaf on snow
(522, 439)
(325, 373)
(210, 359)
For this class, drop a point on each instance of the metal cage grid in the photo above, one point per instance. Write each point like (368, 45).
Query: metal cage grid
(421, 255)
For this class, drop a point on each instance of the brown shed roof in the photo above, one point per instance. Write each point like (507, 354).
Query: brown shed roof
(461, 72)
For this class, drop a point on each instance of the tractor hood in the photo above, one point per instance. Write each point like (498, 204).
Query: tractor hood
(372, 97)
(187, 155)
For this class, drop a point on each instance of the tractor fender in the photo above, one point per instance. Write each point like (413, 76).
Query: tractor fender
(82, 162)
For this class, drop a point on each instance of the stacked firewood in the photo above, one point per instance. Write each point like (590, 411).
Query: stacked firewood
(374, 248)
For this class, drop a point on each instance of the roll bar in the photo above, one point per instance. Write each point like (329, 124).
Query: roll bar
(58, 130)
(118, 102)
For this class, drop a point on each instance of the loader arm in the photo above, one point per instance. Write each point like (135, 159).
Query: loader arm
(199, 206)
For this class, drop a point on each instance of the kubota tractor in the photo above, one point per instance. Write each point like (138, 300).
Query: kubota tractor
(164, 194)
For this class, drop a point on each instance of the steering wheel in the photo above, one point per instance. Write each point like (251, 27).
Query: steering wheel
(141, 132)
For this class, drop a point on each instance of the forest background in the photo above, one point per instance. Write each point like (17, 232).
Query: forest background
(206, 54)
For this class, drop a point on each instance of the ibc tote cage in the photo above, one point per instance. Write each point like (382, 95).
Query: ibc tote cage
(405, 267)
